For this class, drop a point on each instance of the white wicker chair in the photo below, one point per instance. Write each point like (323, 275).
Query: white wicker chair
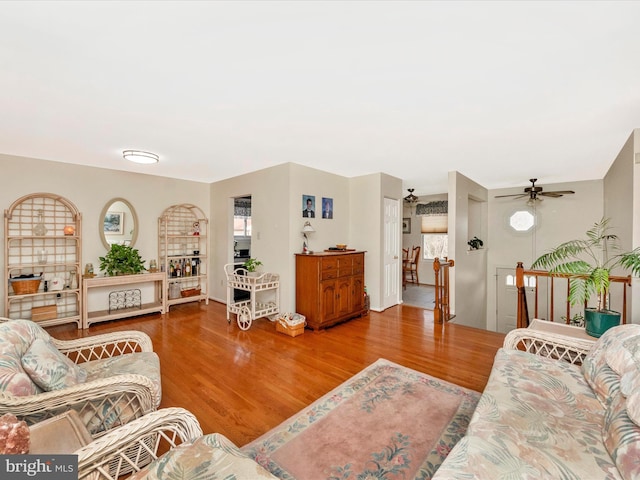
(131, 447)
(102, 403)
(545, 344)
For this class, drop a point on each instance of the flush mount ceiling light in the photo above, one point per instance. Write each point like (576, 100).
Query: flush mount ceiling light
(138, 156)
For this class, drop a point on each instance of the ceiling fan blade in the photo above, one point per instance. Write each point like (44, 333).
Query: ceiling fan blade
(558, 193)
(517, 195)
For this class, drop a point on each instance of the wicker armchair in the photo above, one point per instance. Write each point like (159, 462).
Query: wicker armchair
(121, 376)
(131, 447)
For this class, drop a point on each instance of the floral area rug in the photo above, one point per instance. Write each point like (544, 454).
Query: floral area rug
(386, 422)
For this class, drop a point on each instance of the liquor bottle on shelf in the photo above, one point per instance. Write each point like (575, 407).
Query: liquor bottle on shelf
(172, 269)
(187, 268)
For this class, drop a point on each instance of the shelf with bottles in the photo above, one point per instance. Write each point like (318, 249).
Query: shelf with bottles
(43, 239)
(180, 266)
(182, 249)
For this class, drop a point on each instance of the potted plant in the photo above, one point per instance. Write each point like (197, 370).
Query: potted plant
(122, 260)
(588, 263)
(252, 265)
(475, 243)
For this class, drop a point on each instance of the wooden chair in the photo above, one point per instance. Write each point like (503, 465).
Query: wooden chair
(412, 266)
(405, 263)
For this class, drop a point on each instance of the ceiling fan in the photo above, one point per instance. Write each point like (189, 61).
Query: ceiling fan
(535, 193)
(411, 198)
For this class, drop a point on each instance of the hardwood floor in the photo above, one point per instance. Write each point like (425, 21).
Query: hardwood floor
(242, 384)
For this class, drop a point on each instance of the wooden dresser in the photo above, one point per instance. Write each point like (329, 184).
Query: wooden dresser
(329, 287)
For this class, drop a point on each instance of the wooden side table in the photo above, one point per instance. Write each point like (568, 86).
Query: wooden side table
(64, 433)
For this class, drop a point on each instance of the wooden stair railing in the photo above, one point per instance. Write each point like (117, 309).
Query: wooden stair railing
(523, 309)
(442, 311)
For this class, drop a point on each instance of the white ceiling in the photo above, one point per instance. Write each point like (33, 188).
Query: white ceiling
(499, 91)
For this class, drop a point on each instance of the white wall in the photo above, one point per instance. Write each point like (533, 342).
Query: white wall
(276, 216)
(276, 211)
(621, 193)
(89, 189)
(366, 229)
(469, 275)
(559, 220)
(269, 190)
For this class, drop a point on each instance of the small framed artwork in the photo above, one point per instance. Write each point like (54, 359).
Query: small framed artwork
(114, 223)
(308, 206)
(406, 225)
(327, 207)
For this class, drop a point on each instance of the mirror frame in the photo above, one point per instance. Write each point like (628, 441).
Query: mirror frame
(134, 237)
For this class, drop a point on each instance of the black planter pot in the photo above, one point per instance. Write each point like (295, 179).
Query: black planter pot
(597, 322)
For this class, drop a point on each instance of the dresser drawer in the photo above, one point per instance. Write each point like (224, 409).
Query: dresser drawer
(345, 266)
(329, 268)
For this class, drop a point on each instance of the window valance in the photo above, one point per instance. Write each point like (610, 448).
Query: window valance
(242, 207)
(440, 207)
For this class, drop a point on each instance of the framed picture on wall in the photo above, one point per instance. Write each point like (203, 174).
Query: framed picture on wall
(308, 206)
(113, 223)
(406, 225)
(327, 207)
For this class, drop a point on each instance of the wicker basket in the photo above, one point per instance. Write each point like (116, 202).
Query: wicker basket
(22, 286)
(283, 326)
(189, 292)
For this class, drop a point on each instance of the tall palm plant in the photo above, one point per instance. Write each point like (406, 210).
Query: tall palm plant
(590, 277)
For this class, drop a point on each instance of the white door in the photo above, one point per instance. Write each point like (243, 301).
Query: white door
(507, 298)
(391, 247)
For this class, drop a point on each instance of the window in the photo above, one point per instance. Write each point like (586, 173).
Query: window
(241, 226)
(529, 281)
(522, 221)
(435, 245)
(435, 241)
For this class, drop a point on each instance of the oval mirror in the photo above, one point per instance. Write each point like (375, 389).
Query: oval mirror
(118, 223)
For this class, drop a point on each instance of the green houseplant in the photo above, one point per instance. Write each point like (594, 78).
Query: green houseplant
(252, 264)
(588, 263)
(122, 260)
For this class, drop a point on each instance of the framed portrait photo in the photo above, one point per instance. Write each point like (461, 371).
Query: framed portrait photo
(327, 207)
(114, 223)
(308, 206)
(406, 225)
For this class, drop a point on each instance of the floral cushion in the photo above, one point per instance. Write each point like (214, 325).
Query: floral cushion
(622, 438)
(119, 409)
(537, 418)
(49, 368)
(208, 457)
(623, 354)
(16, 336)
(633, 403)
(146, 364)
(602, 378)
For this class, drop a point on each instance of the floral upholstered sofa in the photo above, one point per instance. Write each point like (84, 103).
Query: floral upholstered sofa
(540, 417)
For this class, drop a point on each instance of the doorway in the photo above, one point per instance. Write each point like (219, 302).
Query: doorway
(242, 228)
(241, 238)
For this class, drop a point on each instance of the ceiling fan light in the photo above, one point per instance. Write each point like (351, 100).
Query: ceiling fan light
(411, 198)
(139, 156)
